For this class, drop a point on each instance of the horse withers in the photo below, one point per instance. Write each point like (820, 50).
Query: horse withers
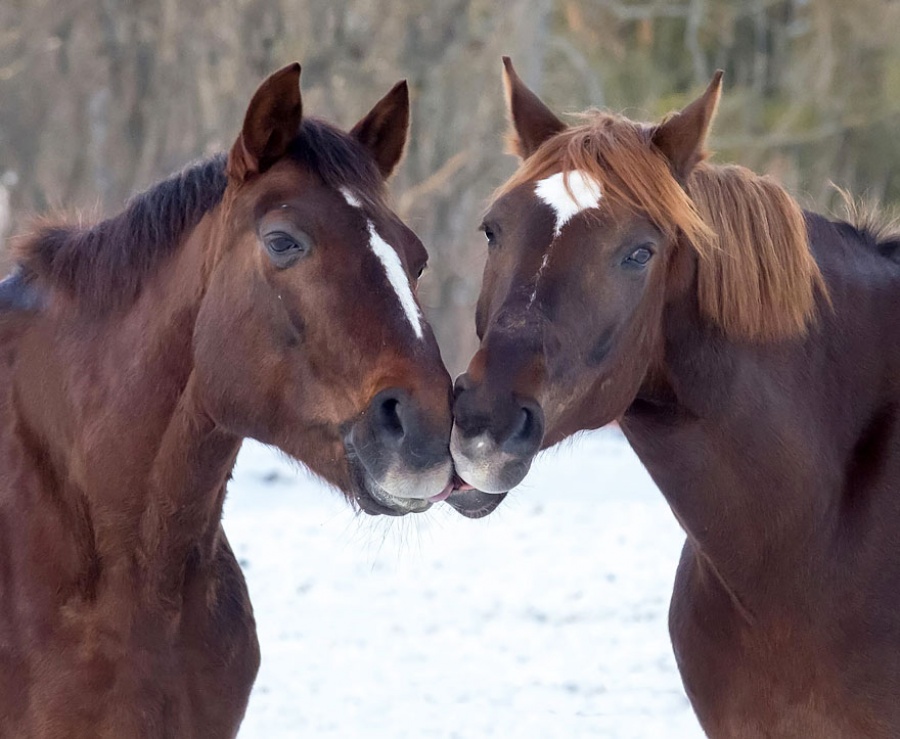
(269, 294)
(749, 351)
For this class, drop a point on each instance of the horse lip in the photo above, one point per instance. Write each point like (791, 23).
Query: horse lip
(401, 506)
(368, 504)
(371, 497)
(445, 493)
(470, 502)
(375, 500)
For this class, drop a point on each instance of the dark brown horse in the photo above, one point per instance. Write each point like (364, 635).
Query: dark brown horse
(269, 294)
(750, 352)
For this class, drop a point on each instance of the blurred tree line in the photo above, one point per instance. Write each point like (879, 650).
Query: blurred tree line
(101, 98)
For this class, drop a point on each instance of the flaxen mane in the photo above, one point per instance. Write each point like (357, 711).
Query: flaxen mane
(757, 278)
(763, 280)
(104, 266)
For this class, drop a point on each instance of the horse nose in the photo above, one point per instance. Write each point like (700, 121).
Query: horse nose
(515, 424)
(495, 435)
(400, 424)
(402, 446)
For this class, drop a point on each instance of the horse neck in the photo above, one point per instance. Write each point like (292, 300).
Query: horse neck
(777, 456)
(740, 440)
(108, 412)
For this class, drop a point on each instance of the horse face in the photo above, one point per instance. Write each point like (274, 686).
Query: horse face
(568, 319)
(310, 337)
(571, 307)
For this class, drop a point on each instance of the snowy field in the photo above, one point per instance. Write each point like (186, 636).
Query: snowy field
(545, 619)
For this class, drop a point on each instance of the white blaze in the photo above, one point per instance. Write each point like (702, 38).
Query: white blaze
(583, 193)
(393, 268)
(397, 277)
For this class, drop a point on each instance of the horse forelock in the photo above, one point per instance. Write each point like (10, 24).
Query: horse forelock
(340, 161)
(757, 279)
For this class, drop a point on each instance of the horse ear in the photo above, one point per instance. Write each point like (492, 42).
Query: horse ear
(682, 137)
(384, 129)
(532, 121)
(270, 124)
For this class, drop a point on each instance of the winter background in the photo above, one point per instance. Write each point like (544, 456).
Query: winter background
(545, 619)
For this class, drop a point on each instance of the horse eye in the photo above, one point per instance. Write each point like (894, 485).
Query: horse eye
(639, 257)
(285, 248)
(489, 234)
(421, 270)
(281, 243)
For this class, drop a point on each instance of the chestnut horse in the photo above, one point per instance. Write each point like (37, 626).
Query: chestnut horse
(270, 295)
(750, 352)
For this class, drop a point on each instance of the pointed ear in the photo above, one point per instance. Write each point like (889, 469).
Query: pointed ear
(532, 121)
(383, 130)
(270, 124)
(682, 137)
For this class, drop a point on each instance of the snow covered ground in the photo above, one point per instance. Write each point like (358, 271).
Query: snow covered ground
(546, 619)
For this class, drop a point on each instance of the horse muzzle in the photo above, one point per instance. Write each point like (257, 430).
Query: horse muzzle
(495, 436)
(402, 454)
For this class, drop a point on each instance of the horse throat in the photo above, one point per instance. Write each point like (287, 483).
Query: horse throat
(185, 493)
(126, 472)
(725, 458)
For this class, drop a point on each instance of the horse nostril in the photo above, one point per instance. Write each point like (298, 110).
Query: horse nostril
(527, 431)
(524, 425)
(463, 383)
(388, 418)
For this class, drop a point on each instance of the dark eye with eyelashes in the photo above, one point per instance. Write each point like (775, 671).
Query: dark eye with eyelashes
(281, 243)
(489, 234)
(421, 270)
(286, 248)
(639, 257)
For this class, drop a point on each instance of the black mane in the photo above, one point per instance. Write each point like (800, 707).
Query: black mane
(887, 244)
(866, 221)
(105, 265)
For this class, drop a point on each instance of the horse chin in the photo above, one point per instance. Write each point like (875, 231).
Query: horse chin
(466, 500)
(470, 502)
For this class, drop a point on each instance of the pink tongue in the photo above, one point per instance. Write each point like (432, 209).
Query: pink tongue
(443, 495)
(449, 490)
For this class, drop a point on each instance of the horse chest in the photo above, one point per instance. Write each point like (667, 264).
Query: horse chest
(774, 677)
(105, 671)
